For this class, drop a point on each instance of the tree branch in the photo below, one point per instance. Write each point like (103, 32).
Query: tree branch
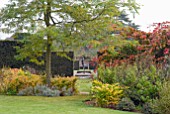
(87, 20)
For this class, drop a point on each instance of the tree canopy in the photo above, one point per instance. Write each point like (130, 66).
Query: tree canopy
(61, 24)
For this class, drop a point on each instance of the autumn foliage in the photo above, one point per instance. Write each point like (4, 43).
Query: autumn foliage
(154, 45)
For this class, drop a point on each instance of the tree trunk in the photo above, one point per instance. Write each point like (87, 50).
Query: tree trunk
(48, 62)
(47, 15)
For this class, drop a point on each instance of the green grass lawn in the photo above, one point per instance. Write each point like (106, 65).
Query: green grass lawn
(50, 105)
(84, 85)
(53, 105)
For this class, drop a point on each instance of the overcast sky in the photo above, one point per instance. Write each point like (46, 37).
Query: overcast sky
(151, 11)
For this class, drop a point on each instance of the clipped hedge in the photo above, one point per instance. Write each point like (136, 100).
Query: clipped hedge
(7, 53)
(60, 65)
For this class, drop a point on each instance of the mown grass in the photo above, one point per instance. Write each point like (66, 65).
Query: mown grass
(53, 105)
(50, 105)
(84, 85)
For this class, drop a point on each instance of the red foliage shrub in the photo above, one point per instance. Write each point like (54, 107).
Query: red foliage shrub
(155, 44)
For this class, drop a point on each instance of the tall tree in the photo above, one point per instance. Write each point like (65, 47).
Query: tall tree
(66, 23)
(126, 21)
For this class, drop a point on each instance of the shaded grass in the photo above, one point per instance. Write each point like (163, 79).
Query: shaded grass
(50, 105)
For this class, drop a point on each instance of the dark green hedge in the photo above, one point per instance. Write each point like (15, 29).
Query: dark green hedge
(60, 65)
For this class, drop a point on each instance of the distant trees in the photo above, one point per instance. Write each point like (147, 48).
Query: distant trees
(126, 21)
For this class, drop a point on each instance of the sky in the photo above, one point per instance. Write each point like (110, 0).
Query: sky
(152, 11)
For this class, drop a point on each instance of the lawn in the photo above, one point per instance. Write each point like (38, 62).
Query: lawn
(50, 105)
(84, 85)
(53, 105)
